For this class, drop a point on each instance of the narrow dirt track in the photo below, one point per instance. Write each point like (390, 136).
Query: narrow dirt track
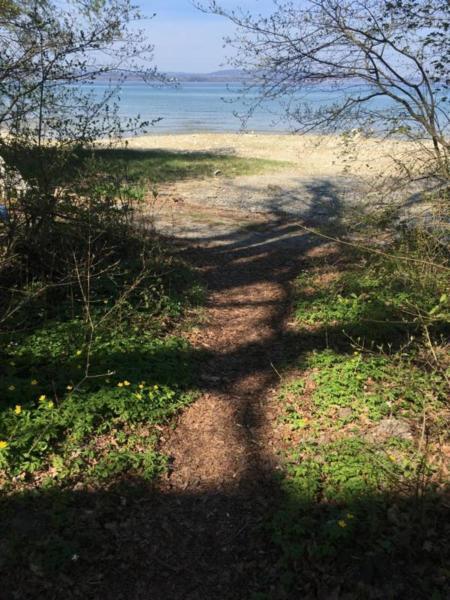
(207, 524)
(219, 441)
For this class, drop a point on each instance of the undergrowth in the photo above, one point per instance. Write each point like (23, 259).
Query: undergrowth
(62, 391)
(94, 363)
(362, 507)
(62, 388)
(92, 357)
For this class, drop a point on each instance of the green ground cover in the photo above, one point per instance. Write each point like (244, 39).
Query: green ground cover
(91, 366)
(362, 507)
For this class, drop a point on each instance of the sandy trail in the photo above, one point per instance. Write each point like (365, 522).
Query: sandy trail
(318, 183)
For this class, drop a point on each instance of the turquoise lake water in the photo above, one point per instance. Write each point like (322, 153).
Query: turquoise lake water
(209, 107)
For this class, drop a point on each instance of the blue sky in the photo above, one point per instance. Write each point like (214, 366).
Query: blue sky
(186, 39)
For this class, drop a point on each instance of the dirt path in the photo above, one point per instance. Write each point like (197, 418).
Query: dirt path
(207, 526)
(223, 439)
(204, 533)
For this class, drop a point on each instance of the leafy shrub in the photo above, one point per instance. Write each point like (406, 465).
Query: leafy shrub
(67, 352)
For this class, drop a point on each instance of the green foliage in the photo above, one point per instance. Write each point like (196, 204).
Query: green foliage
(371, 385)
(373, 300)
(341, 514)
(329, 479)
(345, 300)
(360, 509)
(80, 374)
(64, 433)
(339, 471)
(347, 498)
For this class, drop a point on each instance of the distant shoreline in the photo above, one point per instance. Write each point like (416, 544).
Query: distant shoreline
(223, 76)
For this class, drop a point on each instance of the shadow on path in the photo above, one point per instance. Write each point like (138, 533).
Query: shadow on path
(201, 533)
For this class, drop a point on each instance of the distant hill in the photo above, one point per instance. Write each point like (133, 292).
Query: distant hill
(224, 76)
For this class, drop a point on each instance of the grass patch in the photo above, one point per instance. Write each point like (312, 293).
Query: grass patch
(371, 300)
(342, 517)
(162, 166)
(373, 386)
(55, 422)
(360, 491)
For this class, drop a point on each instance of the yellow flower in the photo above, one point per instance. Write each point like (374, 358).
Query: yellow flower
(78, 352)
(126, 383)
(18, 409)
(156, 387)
(12, 388)
(42, 398)
(34, 382)
(50, 404)
(3, 444)
(138, 396)
(141, 386)
(350, 516)
(120, 384)
(342, 523)
(69, 387)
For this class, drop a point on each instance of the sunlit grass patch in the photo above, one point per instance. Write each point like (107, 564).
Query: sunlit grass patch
(365, 479)
(342, 508)
(375, 386)
(361, 483)
(368, 300)
(160, 166)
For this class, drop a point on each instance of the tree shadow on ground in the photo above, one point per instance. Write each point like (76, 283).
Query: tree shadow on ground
(126, 164)
(131, 541)
(135, 541)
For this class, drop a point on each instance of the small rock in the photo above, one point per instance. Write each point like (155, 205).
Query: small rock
(345, 412)
(391, 427)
